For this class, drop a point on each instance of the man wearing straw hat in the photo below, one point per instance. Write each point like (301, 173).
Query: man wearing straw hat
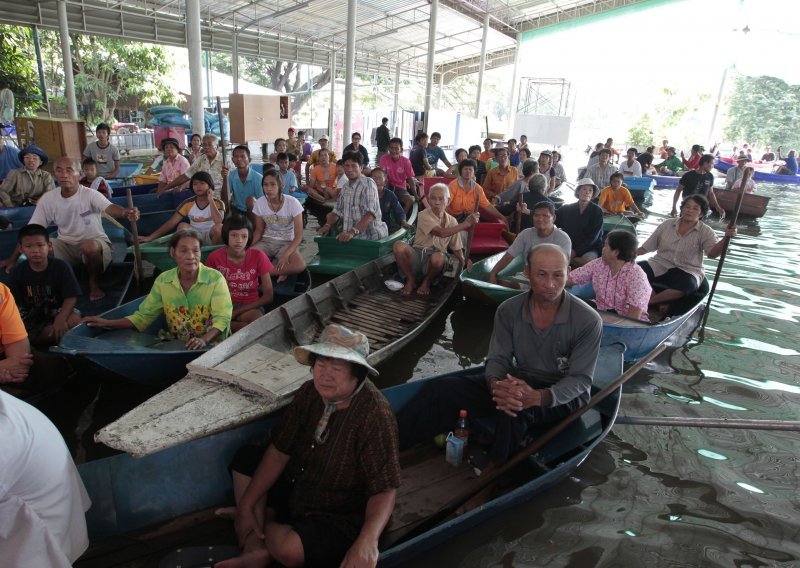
(24, 186)
(325, 488)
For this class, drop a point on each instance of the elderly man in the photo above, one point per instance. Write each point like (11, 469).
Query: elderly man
(698, 182)
(358, 205)
(736, 172)
(539, 368)
(103, 152)
(534, 190)
(543, 231)
(502, 177)
(76, 211)
(210, 162)
(27, 184)
(602, 170)
(326, 486)
(400, 174)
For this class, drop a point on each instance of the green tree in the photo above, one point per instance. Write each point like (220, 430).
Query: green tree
(18, 69)
(764, 110)
(641, 133)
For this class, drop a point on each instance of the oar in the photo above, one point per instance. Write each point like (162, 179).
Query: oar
(137, 251)
(225, 197)
(488, 477)
(471, 233)
(727, 240)
(519, 213)
(728, 423)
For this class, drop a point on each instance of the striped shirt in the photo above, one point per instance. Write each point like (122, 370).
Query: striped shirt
(601, 176)
(676, 251)
(356, 199)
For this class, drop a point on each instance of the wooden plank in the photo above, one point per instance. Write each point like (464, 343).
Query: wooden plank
(386, 302)
(382, 324)
(383, 329)
(271, 377)
(243, 361)
(359, 326)
(387, 310)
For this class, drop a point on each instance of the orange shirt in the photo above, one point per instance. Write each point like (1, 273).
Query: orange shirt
(486, 156)
(463, 201)
(496, 182)
(321, 176)
(11, 327)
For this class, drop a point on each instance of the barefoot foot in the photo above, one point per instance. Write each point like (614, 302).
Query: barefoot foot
(408, 288)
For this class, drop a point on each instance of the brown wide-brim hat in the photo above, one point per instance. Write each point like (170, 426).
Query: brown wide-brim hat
(338, 342)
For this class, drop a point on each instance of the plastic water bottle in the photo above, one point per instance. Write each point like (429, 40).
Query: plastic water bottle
(461, 429)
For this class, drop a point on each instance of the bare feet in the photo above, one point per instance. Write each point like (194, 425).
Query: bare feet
(408, 289)
(96, 293)
(226, 513)
(424, 288)
(252, 559)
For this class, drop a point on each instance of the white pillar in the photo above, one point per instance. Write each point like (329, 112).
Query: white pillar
(235, 58)
(333, 99)
(66, 54)
(396, 112)
(441, 88)
(483, 65)
(514, 94)
(350, 58)
(195, 65)
(434, 11)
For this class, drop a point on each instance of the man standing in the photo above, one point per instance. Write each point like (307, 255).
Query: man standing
(502, 177)
(631, 166)
(539, 369)
(211, 163)
(602, 170)
(103, 152)
(513, 153)
(400, 174)
(382, 138)
(737, 172)
(76, 211)
(358, 205)
(698, 182)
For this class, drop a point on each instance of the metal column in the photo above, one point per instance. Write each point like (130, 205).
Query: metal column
(66, 54)
(434, 11)
(514, 95)
(396, 112)
(483, 65)
(333, 96)
(235, 58)
(195, 65)
(350, 63)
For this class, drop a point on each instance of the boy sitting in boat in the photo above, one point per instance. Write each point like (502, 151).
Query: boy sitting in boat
(90, 178)
(203, 212)
(244, 182)
(358, 206)
(45, 289)
(288, 181)
(616, 198)
(438, 235)
(325, 488)
(539, 368)
(392, 211)
(243, 268)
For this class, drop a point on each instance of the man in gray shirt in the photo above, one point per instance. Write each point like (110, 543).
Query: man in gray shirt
(544, 231)
(540, 365)
(103, 152)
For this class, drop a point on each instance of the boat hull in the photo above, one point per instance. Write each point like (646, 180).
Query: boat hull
(753, 205)
(665, 181)
(768, 177)
(641, 189)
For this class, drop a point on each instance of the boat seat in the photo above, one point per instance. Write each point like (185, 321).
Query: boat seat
(581, 431)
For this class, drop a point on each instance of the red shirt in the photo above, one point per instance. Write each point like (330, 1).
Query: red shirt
(243, 279)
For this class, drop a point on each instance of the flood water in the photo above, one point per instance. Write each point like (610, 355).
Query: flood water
(647, 496)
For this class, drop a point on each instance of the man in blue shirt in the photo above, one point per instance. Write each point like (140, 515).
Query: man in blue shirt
(244, 181)
(435, 153)
(419, 155)
(789, 168)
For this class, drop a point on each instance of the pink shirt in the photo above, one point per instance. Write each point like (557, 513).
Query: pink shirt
(628, 288)
(397, 171)
(243, 279)
(172, 169)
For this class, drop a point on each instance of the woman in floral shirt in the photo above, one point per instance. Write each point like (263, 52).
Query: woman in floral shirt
(193, 297)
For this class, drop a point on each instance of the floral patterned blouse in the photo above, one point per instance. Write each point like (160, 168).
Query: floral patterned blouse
(207, 304)
(627, 288)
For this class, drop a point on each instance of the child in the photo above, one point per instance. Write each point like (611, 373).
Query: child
(341, 179)
(392, 212)
(204, 212)
(243, 268)
(45, 289)
(244, 181)
(91, 179)
(616, 198)
(294, 165)
(287, 178)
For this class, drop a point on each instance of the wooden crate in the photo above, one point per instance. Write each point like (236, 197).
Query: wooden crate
(57, 137)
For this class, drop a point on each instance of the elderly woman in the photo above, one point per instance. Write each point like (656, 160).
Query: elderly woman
(438, 235)
(174, 164)
(24, 186)
(194, 299)
(583, 222)
(619, 283)
(676, 270)
(325, 488)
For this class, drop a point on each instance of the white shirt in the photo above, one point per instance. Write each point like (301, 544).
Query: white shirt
(278, 225)
(634, 170)
(77, 217)
(42, 497)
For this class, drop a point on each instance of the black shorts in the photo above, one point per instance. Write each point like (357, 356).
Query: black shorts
(326, 538)
(674, 279)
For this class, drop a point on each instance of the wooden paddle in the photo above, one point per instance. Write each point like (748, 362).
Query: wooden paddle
(518, 224)
(727, 240)
(137, 251)
(471, 233)
(490, 476)
(224, 189)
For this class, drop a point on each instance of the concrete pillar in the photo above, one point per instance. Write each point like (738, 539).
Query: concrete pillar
(396, 112)
(66, 54)
(333, 100)
(513, 96)
(434, 11)
(350, 58)
(195, 65)
(439, 94)
(483, 65)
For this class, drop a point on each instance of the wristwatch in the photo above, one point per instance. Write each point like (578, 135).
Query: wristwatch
(356, 232)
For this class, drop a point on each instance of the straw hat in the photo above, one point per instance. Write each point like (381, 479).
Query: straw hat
(587, 181)
(338, 342)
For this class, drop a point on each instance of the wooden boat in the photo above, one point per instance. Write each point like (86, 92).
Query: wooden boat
(639, 337)
(337, 258)
(665, 181)
(759, 175)
(223, 384)
(156, 252)
(618, 222)
(753, 204)
(641, 189)
(137, 189)
(130, 493)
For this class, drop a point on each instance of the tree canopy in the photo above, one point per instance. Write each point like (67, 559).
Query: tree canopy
(764, 110)
(18, 69)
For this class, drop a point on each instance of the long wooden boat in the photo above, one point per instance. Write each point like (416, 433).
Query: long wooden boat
(156, 252)
(665, 181)
(753, 204)
(639, 337)
(618, 222)
(760, 175)
(259, 354)
(641, 189)
(336, 258)
(130, 493)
